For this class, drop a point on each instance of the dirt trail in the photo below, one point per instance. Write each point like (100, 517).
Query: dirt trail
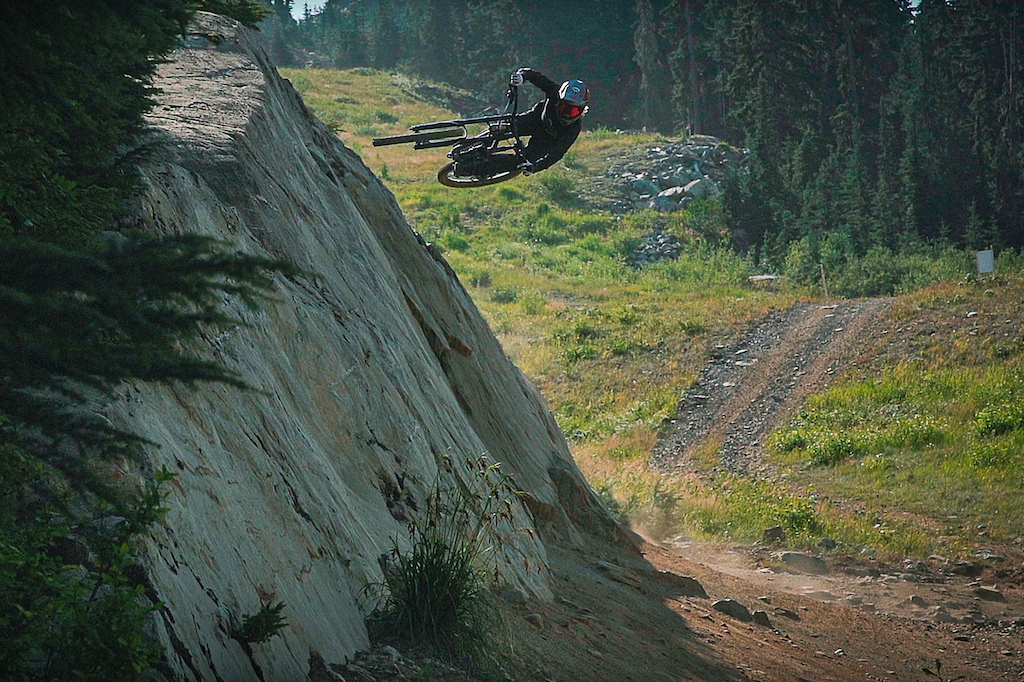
(758, 382)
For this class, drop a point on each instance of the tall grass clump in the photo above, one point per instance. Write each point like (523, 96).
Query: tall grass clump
(435, 592)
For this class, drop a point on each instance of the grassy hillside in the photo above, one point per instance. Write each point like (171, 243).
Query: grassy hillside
(914, 445)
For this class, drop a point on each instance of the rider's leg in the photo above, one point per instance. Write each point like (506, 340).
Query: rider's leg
(498, 163)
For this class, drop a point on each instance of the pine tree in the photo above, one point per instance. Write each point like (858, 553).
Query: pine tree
(78, 315)
(651, 98)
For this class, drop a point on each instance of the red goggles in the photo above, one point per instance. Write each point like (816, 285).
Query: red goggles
(568, 110)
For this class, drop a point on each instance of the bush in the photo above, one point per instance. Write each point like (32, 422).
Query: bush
(261, 626)
(788, 440)
(999, 419)
(829, 450)
(504, 295)
(435, 593)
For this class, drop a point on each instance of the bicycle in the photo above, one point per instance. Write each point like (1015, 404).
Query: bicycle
(473, 159)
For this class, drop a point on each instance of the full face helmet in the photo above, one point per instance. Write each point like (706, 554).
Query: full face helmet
(573, 97)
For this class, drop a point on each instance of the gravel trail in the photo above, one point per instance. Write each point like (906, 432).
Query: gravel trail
(757, 383)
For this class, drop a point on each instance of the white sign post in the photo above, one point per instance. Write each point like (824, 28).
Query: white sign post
(986, 262)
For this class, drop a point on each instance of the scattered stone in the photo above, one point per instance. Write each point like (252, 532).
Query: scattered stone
(786, 613)
(656, 246)
(989, 593)
(989, 555)
(859, 572)
(733, 609)
(827, 544)
(917, 600)
(820, 595)
(967, 568)
(690, 587)
(804, 563)
(535, 619)
(680, 171)
(761, 618)
(776, 535)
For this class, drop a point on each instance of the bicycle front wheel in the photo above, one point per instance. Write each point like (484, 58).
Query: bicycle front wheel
(446, 176)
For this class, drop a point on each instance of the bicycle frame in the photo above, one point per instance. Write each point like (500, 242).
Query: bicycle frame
(452, 133)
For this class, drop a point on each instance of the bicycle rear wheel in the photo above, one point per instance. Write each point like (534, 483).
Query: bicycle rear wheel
(446, 176)
(452, 134)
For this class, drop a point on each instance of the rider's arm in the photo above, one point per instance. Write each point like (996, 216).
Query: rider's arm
(539, 80)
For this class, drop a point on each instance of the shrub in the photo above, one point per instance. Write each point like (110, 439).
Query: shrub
(832, 449)
(504, 295)
(435, 593)
(453, 241)
(262, 625)
(787, 440)
(999, 419)
(480, 278)
(532, 303)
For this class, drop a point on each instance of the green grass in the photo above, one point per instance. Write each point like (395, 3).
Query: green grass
(938, 436)
(877, 463)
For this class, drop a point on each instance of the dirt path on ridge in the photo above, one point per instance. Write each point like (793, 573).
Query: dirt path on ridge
(757, 383)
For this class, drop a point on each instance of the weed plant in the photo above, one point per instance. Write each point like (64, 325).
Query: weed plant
(261, 626)
(436, 592)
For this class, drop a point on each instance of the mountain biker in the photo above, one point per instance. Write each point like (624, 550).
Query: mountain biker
(552, 124)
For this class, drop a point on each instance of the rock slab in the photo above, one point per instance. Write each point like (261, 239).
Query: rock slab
(375, 377)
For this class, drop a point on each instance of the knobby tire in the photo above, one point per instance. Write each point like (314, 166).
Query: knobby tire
(446, 178)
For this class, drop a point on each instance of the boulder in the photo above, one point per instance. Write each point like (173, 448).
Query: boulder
(702, 188)
(687, 585)
(673, 193)
(804, 563)
(733, 609)
(776, 535)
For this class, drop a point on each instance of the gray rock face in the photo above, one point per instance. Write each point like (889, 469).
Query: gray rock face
(369, 371)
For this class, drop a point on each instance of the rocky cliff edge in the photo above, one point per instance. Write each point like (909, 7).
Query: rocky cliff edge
(365, 374)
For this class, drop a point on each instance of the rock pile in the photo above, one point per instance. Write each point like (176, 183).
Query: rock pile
(674, 174)
(656, 246)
